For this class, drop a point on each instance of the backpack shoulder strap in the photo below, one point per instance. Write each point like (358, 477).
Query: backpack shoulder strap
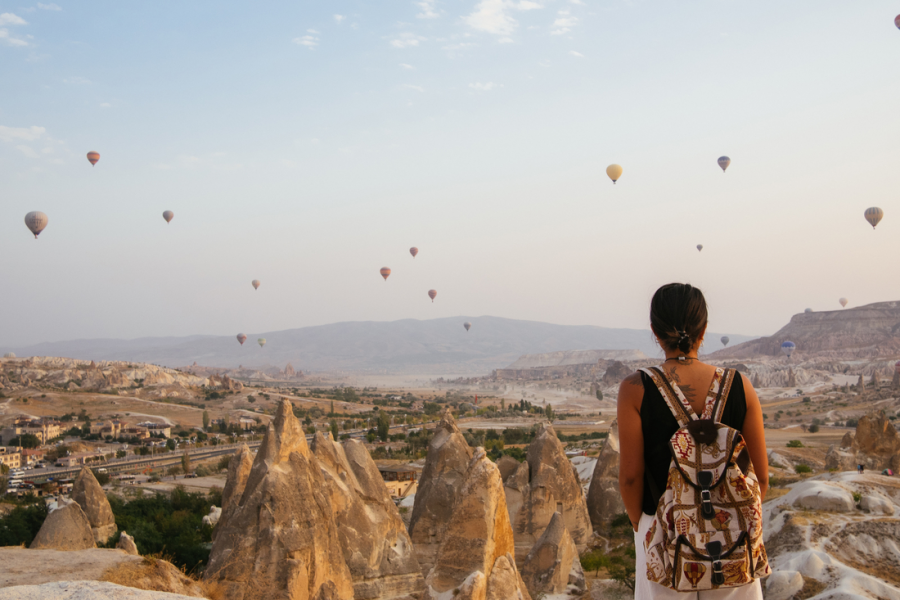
(722, 395)
(675, 400)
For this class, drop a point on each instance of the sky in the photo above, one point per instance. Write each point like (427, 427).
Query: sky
(309, 144)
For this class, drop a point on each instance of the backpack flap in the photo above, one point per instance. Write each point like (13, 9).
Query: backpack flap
(703, 464)
(704, 563)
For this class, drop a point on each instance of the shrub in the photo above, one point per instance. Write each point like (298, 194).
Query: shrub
(795, 444)
(22, 524)
(801, 468)
(814, 428)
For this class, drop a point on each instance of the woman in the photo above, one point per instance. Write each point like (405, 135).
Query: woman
(678, 318)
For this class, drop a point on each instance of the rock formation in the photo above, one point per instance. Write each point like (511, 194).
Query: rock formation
(126, 543)
(376, 546)
(860, 385)
(604, 501)
(476, 554)
(616, 372)
(66, 528)
(445, 467)
(553, 564)
(224, 382)
(92, 499)
(876, 444)
(277, 537)
(544, 484)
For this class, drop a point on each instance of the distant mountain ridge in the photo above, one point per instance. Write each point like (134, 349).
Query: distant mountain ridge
(866, 331)
(408, 346)
(574, 357)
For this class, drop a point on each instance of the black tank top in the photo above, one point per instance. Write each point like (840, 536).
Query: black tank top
(659, 425)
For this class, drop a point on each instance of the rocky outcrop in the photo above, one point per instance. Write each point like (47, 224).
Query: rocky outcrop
(553, 566)
(876, 445)
(615, 373)
(92, 499)
(604, 500)
(84, 590)
(126, 543)
(279, 539)
(476, 554)
(445, 467)
(66, 528)
(376, 546)
(546, 483)
(224, 382)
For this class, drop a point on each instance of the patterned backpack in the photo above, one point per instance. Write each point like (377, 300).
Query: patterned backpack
(707, 533)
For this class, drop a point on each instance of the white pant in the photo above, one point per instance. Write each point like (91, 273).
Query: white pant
(644, 589)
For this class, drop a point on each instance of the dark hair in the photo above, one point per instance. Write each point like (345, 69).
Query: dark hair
(678, 316)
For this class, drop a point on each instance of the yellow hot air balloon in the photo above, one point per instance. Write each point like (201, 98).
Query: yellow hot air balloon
(432, 294)
(36, 221)
(385, 272)
(261, 342)
(614, 172)
(874, 215)
(93, 157)
(255, 284)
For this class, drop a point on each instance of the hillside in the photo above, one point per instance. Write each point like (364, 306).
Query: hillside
(574, 357)
(437, 346)
(868, 331)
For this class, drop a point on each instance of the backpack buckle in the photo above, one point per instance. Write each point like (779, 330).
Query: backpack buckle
(714, 549)
(705, 479)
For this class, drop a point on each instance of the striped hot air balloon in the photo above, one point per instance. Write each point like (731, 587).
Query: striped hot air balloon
(874, 215)
(432, 294)
(614, 172)
(241, 338)
(694, 572)
(385, 272)
(413, 251)
(788, 348)
(261, 342)
(724, 161)
(36, 221)
(93, 157)
(168, 216)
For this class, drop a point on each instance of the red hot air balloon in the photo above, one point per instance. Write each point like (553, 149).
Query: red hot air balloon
(897, 21)
(93, 157)
(385, 272)
(432, 294)
(241, 338)
(413, 251)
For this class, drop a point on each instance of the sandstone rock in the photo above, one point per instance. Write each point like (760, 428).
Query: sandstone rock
(875, 435)
(445, 467)
(553, 564)
(476, 553)
(819, 495)
(860, 385)
(92, 499)
(238, 473)
(615, 373)
(66, 528)
(280, 540)
(876, 503)
(782, 585)
(548, 483)
(604, 501)
(376, 546)
(126, 543)
(83, 590)
(835, 459)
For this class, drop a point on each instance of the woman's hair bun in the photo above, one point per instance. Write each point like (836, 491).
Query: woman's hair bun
(678, 316)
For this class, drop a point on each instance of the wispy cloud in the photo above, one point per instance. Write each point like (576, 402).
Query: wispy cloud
(493, 16)
(427, 9)
(50, 6)
(578, 54)
(484, 87)
(105, 105)
(417, 88)
(564, 23)
(77, 80)
(311, 40)
(28, 151)
(407, 40)
(8, 38)
(24, 134)
(505, 40)
(339, 19)
(407, 67)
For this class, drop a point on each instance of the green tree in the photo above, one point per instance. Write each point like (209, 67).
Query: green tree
(26, 440)
(186, 463)
(548, 412)
(384, 425)
(174, 470)
(334, 430)
(170, 444)
(502, 403)
(331, 410)
(594, 560)
(205, 420)
(599, 394)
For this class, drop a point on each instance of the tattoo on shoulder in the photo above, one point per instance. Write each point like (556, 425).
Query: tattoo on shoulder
(633, 379)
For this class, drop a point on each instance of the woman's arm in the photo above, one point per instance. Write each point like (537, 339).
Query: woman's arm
(631, 447)
(755, 437)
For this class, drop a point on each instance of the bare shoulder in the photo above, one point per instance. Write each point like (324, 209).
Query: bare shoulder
(631, 390)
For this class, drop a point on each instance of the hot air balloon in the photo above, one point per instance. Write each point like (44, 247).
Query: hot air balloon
(241, 338)
(385, 272)
(9, 355)
(843, 302)
(432, 294)
(896, 365)
(467, 325)
(725, 340)
(93, 157)
(808, 310)
(874, 215)
(36, 221)
(788, 348)
(261, 342)
(168, 216)
(897, 21)
(413, 251)
(614, 172)
(699, 247)
(724, 161)
(255, 284)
